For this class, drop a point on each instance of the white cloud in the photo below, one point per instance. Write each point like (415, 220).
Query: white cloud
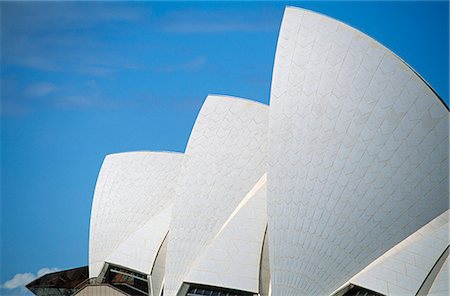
(48, 36)
(22, 279)
(19, 280)
(45, 270)
(40, 89)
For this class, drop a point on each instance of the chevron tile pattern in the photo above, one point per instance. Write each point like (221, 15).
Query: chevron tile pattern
(232, 259)
(225, 157)
(132, 188)
(342, 184)
(140, 249)
(401, 270)
(358, 154)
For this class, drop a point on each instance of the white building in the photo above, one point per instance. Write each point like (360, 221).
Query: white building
(340, 187)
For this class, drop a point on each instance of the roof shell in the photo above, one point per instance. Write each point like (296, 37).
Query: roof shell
(225, 157)
(358, 154)
(403, 269)
(132, 188)
(232, 259)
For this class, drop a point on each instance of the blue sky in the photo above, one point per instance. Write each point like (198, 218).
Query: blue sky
(83, 80)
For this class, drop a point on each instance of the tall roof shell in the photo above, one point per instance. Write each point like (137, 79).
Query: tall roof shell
(132, 189)
(358, 154)
(225, 157)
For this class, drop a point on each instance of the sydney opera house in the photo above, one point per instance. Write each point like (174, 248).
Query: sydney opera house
(339, 187)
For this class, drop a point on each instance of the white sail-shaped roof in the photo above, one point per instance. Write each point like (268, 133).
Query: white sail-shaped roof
(358, 154)
(132, 189)
(403, 269)
(232, 259)
(225, 157)
(139, 250)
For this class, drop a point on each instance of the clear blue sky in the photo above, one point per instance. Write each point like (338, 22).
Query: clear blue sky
(82, 80)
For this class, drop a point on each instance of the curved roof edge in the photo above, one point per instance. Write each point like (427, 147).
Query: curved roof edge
(143, 152)
(378, 42)
(234, 98)
(223, 98)
(430, 239)
(140, 249)
(131, 169)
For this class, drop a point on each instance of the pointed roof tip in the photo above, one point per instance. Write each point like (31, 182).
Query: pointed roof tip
(235, 99)
(366, 35)
(290, 7)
